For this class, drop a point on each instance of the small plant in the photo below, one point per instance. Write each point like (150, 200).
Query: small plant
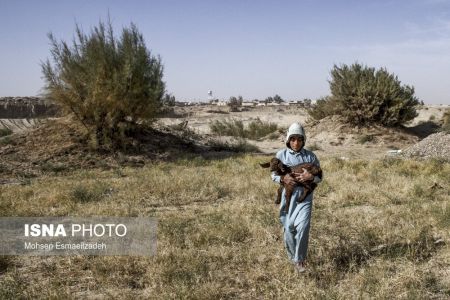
(365, 138)
(53, 167)
(84, 194)
(446, 121)
(7, 140)
(228, 128)
(5, 131)
(5, 263)
(255, 130)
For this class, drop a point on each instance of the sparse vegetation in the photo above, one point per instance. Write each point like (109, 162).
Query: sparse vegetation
(6, 140)
(5, 132)
(255, 129)
(275, 99)
(90, 193)
(366, 138)
(234, 103)
(446, 121)
(379, 230)
(365, 96)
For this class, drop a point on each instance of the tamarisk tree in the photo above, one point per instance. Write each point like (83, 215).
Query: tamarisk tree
(108, 83)
(364, 96)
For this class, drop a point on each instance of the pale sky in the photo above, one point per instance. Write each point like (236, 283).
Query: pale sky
(240, 47)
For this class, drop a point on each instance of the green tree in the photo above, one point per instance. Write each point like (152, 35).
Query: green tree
(363, 96)
(234, 103)
(268, 100)
(169, 100)
(108, 83)
(278, 99)
(321, 109)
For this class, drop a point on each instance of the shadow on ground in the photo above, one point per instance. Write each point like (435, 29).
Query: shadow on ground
(423, 130)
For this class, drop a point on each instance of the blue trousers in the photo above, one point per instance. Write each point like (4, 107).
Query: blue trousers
(296, 224)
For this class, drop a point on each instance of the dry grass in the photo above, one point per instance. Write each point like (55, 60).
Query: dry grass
(379, 230)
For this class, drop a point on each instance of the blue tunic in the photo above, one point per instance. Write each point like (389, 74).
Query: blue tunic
(296, 222)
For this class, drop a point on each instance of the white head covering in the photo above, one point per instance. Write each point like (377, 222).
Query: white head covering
(295, 129)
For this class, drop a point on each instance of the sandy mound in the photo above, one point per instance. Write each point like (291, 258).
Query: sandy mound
(434, 146)
(61, 145)
(20, 125)
(333, 131)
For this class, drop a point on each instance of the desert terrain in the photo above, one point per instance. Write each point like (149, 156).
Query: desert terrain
(329, 136)
(379, 227)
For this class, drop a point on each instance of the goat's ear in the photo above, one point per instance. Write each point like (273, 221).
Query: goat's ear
(265, 165)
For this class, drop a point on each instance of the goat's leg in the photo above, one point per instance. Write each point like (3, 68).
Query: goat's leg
(305, 193)
(279, 192)
(288, 194)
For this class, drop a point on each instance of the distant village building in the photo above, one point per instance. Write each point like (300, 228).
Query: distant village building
(294, 102)
(249, 103)
(261, 103)
(183, 103)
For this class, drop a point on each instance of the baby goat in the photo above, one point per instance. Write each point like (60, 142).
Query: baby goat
(281, 169)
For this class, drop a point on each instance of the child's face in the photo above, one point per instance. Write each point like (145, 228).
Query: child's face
(296, 143)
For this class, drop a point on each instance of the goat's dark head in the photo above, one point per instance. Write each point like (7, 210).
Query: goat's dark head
(275, 165)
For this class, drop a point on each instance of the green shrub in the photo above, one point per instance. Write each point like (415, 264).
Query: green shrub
(7, 140)
(234, 103)
(84, 194)
(365, 138)
(109, 84)
(255, 129)
(446, 121)
(53, 167)
(228, 128)
(323, 107)
(365, 96)
(5, 131)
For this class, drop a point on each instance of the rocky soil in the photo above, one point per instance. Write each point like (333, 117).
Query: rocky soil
(434, 146)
